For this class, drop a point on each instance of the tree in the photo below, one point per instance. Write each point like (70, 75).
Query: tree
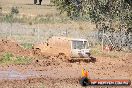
(98, 10)
(71, 7)
(113, 16)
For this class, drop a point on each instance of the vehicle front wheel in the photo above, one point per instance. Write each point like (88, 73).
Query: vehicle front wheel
(88, 54)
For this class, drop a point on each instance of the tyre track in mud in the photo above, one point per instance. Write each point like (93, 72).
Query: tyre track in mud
(55, 72)
(47, 81)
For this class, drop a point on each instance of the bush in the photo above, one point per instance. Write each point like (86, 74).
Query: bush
(8, 18)
(22, 60)
(72, 8)
(14, 10)
(7, 57)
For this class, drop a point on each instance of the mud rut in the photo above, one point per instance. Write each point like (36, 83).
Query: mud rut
(40, 60)
(53, 71)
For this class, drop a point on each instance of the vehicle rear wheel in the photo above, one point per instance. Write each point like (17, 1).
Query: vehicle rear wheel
(62, 57)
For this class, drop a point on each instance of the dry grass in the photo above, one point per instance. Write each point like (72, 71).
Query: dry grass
(44, 14)
(26, 7)
(97, 51)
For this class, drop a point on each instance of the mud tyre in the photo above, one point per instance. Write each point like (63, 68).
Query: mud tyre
(62, 57)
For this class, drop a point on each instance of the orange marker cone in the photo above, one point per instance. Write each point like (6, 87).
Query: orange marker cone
(84, 73)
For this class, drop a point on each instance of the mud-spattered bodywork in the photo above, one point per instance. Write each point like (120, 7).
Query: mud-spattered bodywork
(70, 47)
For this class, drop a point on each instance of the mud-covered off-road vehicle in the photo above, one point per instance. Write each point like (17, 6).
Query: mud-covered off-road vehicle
(63, 46)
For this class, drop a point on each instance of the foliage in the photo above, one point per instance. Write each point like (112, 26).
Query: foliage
(7, 57)
(113, 16)
(11, 16)
(8, 18)
(22, 60)
(97, 10)
(14, 10)
(73, 8)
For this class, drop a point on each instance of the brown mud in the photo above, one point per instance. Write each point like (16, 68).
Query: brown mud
(51, 72)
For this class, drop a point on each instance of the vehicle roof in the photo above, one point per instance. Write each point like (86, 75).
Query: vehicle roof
(68, 38)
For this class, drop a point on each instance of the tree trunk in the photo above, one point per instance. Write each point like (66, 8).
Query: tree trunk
(35, 1)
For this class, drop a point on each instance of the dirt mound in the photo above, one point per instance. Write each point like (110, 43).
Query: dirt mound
(48, 61)
(14, 48)
(128, 58)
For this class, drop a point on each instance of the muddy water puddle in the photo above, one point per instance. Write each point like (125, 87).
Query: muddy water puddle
(13, 74)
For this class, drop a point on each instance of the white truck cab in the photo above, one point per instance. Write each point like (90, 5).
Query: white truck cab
(80, 48)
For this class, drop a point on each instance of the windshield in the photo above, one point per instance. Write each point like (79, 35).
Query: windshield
(79, 44)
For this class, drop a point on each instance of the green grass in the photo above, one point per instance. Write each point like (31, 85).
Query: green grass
(9, 58)
(27, 45)
(6, 57)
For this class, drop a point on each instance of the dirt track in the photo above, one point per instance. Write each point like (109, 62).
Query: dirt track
(50, 72)
(53, 73)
